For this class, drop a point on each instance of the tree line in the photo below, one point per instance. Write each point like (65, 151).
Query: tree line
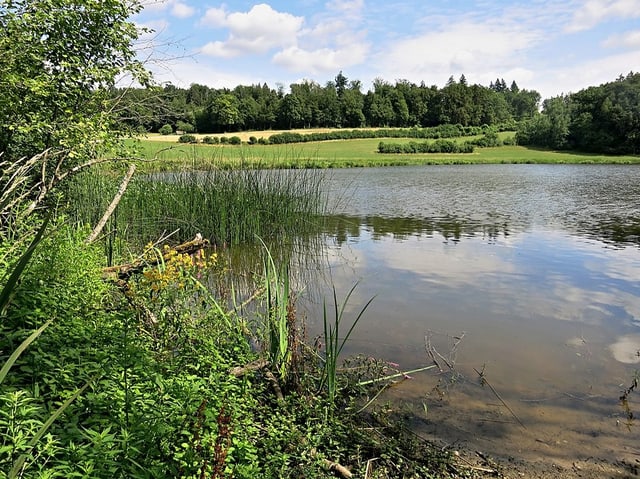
(340, 103)
(599, 119)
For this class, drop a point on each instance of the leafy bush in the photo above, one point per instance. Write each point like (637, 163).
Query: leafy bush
(210, 140)
(252, 140)
(263, 141)
(235, 140)
(166, 130)
(437, 146)
(185, 127)
(187, 139)
(224, 140)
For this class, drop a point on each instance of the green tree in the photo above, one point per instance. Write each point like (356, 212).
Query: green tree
(59, 60)
(225, 112)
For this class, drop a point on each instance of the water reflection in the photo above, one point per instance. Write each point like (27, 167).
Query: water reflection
(538, 265)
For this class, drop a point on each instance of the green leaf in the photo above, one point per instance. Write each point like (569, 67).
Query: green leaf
(9, 287)
(20, 349)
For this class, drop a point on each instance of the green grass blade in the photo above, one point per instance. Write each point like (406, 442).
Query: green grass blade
(9, 287)
(20, 349)
(21, 460)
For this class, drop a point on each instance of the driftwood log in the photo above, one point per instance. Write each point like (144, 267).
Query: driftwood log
(124, 271)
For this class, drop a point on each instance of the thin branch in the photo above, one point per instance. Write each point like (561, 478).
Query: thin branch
(483, 380)
(114, 203)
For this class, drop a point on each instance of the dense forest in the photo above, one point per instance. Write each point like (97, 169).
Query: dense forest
(338, 104)
(602, 119)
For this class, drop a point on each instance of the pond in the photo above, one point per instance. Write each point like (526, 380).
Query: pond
(522, 282)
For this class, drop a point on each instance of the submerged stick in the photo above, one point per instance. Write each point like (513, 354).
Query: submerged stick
(392, 376)
(483, 379)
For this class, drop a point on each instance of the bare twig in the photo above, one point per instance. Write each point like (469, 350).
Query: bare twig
(484, 381)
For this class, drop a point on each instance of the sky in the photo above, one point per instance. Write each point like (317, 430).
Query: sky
(552, 46)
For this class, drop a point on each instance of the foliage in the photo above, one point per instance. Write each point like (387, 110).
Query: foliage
(442, 131)
(56, 77)
(166, 130)
(184, 127)
(143, 382)
(437, 146)
(601, 119)
(187, 139)
(210, 140)
(338, 103)
(278, 314)
(334, 343)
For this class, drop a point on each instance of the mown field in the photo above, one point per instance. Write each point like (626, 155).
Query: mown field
(169, 154)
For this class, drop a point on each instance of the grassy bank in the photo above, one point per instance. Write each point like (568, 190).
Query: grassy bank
(346, 154)
(151, 377)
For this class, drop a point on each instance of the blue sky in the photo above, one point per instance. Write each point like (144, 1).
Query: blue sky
(553, 46)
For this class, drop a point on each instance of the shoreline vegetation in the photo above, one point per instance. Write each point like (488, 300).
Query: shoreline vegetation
(171, 371)
(164, 153)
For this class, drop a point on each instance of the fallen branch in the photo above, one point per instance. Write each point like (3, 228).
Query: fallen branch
(275, 384)
(339, 469)
(402, 374)
(483, 381)
(124, 271)
(256, 365)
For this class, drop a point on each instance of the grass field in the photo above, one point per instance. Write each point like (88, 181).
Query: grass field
(167, 155)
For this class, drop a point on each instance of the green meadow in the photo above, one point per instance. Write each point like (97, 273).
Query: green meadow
(170, 155)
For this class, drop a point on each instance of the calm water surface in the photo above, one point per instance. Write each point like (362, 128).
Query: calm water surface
(537, 267)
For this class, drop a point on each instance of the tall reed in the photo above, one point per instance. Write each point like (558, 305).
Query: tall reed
(226, 206)
(276, 285)
(333, 342)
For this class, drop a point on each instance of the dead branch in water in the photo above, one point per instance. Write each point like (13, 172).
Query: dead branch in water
(483, 381)
(434, 354)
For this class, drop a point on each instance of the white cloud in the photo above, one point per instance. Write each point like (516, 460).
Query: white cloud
(320, 60)
(214, 17)
(625, 40)
(594, 12)
(573, 78)
(151, 29)
(182, 10)
(471, 48)
(257, 31)
(186, 71)
(176, 7)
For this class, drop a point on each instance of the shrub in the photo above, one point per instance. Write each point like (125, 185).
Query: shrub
(185, 127)
(210, 140)
(253, 140)
(224, 140)
(166, 130)
(263, 141)
(187, 139)
(235, 140)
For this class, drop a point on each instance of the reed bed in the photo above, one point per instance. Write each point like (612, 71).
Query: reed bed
(229, 207)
